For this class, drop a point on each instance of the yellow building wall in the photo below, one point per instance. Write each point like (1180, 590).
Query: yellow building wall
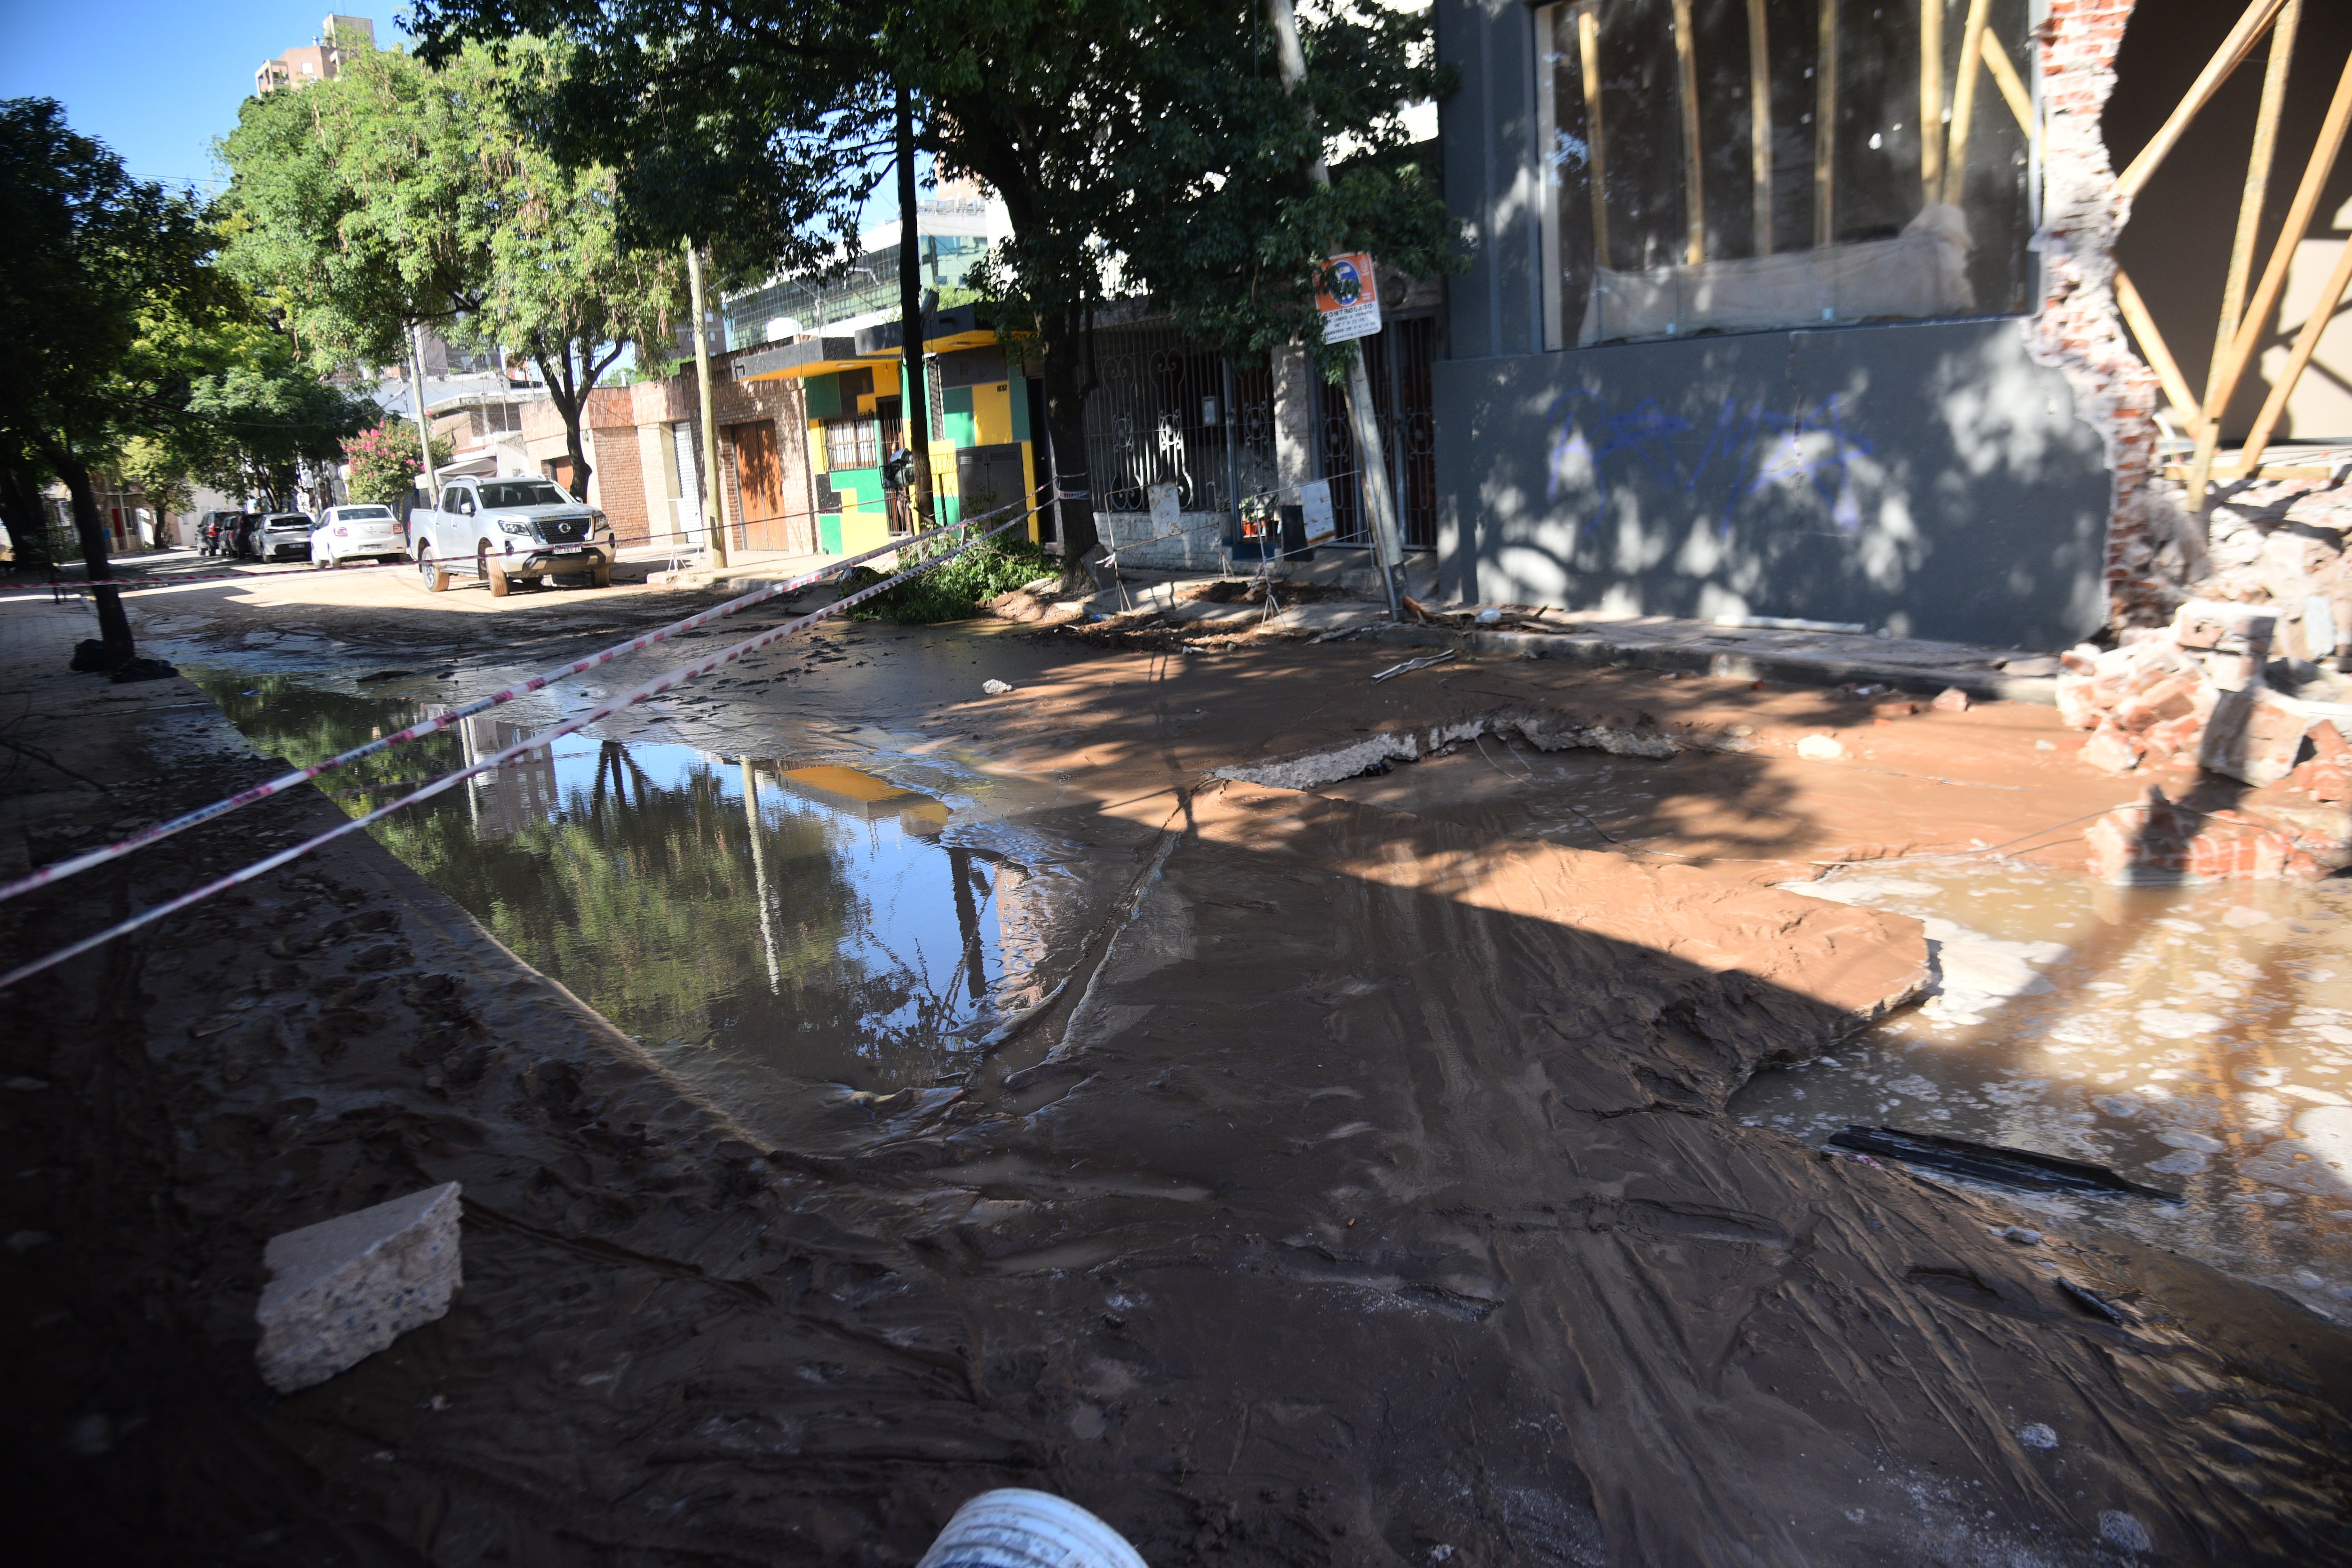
(992, 414)
(863, 531)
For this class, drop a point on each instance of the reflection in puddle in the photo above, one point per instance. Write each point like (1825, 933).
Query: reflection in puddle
(746, 919)
(2192, 1037)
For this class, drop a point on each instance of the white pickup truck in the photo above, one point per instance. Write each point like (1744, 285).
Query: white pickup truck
(503, 531)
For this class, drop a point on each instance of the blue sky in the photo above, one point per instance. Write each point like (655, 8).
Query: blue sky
(154, 79)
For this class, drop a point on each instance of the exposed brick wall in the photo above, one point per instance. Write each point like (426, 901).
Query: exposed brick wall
(615, 412)
(2152, 554)
(785, 404)
(620, 480)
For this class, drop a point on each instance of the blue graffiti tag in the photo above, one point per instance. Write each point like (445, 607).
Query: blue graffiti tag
(1810, 448)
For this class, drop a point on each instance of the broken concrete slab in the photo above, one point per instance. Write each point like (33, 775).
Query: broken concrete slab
(344, 1288)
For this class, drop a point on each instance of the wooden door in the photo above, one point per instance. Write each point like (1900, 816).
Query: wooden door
(760, 477)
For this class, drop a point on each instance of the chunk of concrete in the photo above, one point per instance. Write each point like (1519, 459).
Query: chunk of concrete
(344, 1288)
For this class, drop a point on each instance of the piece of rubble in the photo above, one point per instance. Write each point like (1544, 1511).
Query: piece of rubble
(344, 1288)
(1952, 700)
(2156, 840)
(2328, 776)
(995, 688)
(2253, 735)
(1820, 749)
(2113, 749)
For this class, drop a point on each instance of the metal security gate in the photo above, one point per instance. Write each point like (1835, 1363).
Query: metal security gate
(1397, 360)
(1166, 411)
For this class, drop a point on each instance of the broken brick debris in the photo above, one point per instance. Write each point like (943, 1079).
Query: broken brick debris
(2195, 694)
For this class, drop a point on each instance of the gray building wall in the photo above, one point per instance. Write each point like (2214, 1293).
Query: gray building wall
(1925, 478)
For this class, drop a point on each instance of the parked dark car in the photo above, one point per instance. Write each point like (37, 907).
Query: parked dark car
(217, 533)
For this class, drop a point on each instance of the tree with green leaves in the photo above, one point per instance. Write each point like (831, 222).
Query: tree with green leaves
(96, 259)
(564, 285)
(1155, 138)
(400, 195)
(254, 417)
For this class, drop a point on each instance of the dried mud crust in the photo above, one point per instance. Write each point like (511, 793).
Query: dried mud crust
(1375, 1199)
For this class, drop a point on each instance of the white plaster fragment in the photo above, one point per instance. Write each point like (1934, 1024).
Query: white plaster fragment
(344, 1288)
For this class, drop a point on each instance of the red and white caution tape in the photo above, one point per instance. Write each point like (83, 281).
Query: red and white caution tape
(667, 681)
(156, 580)
(284, 782)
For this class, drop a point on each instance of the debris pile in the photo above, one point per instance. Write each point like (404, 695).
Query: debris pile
(2203, 694)
(2157, 837)
(2278, 543)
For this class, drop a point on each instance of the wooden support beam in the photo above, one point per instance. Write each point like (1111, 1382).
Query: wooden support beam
(2159, 354)
(1964, 102)
(1931, 100)
(2254, 323)
(2221, 381)
(1759, 124)
(1826, 127)
(1587, 54)
(1694, 192)
(2307, 343)
(2234, 50)
(2012, 86)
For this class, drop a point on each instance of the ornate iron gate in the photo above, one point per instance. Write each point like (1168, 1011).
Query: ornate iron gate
(1397, 360)
(1169, 412)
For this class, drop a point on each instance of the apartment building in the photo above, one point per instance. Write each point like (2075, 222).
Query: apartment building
(320, 59)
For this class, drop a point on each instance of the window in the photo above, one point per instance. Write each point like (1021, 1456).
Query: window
(849, 443)
(1745, 165)
(521, 493)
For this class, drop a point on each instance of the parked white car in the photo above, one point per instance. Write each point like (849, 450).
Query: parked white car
(357, 531)
(500, 530)
(279, 535)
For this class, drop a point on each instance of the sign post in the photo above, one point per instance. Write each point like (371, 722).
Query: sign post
(1350, 308)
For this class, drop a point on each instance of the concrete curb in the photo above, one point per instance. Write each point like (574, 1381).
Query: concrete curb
(1796, 669)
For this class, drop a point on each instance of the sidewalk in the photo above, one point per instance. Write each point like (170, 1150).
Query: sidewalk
(744, 568)
(1656, 642)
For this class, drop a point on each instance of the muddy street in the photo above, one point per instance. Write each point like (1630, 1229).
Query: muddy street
(1305, 1121)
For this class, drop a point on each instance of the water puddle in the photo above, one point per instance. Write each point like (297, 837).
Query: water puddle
(2196, 1038)
(759, 922)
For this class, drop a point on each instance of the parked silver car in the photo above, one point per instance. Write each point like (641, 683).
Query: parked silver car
(361, 530)
(501, 531)
(279, 535)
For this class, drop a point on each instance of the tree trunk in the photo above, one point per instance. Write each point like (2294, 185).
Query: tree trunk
(914, 401)
(577, 447)
(563, 392)
(1066, 423)
(28, 527)
(113, 625)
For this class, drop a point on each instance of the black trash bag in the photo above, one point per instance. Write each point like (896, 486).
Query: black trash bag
(89, 654)
(145, 669)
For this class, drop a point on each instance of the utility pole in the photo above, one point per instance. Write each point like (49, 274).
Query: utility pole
(1387, 545)
(712, 527)
(914, 402)
(424, 421)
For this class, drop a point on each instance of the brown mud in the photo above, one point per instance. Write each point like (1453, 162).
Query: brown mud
(1365, 1196)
